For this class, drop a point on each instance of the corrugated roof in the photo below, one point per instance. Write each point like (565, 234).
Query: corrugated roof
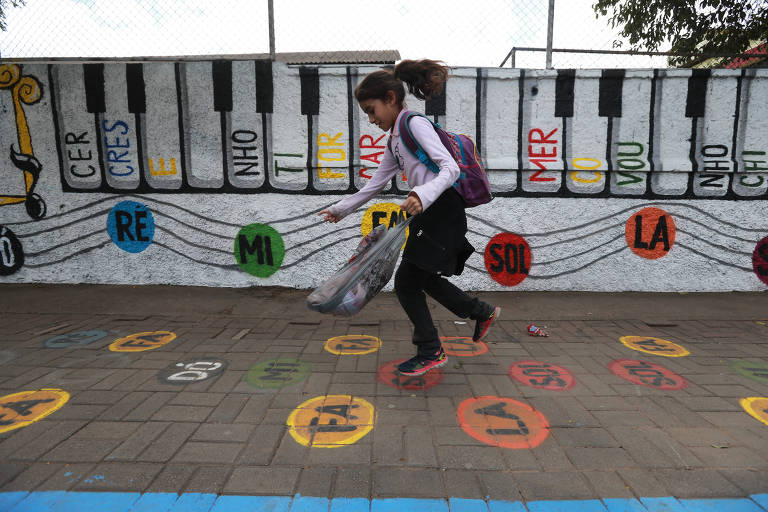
(347, 57)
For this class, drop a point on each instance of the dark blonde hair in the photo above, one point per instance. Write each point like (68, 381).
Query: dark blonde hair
(424, 78)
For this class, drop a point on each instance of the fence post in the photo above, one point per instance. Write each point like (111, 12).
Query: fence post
(550, 30)
(271, 13)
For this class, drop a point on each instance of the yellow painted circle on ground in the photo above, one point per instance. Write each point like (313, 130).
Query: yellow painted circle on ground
(655, 346)
(331, 421)
(353, 344)
(757, 407)
(388, 214)
(142, 341)
(26, 407)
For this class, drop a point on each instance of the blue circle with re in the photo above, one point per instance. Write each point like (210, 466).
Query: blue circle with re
(131, 226)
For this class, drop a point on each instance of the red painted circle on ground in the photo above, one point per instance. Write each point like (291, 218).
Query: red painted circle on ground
(508, 258)
(647, 374)
(389, 376)
(542, 375)
(650, 233)
(503, 422)
(760, 260)
(462, 346)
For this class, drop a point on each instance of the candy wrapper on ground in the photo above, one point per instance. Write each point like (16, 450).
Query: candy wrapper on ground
(368, 270)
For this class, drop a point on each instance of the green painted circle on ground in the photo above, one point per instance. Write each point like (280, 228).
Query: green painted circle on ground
(259, 250)
(751, 370)
(277, 373)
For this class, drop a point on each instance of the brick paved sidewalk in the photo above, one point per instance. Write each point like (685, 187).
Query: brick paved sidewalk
(580, 415)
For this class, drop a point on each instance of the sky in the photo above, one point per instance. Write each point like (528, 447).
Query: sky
(461, 33)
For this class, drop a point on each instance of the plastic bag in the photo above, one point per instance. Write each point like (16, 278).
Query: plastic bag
(368, 270)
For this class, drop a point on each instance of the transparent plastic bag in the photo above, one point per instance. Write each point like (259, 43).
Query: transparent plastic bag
(368, 270)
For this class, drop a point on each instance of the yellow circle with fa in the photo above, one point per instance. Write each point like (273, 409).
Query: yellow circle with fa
(655, 346)
(142, 341)
(757, 407)
(388, 214)
(352, 344)
(331, 421)
(26, 407)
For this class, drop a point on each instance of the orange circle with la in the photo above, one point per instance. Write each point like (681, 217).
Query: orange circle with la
(26, 407)
(142, 341)
(462, 346)
(650, 233)
(503, 422)
(331, 421)
(353, 344)
(757, 407)
(655, 346)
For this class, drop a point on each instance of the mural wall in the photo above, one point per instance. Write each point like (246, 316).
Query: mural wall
(212, 173)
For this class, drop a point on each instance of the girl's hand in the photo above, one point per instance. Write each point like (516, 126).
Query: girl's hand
(412, 205)
(328, 216)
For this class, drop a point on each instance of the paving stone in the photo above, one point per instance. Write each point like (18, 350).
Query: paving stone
(186, 413)
(596, 458)
(208, 453)
(10, 470)
(279, 481)
(82, 450)
(106, 430)
(67, 477)
(166, 445)
(555, 485)
(608, 484)
(32, 476)
(119, 476)
(751, 481)
(471, 457)
(316, 481)
(172, 478)
(353, 482)
(410, 482)
(499, 484)
(697, 483)
(209, 479)
(463, 484)
(133, 445)
(262, 445)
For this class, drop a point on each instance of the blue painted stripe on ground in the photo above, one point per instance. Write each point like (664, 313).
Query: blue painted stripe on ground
(96, 501)
(666, 504)
(623, 505)
(761, 499)
(566, 506)
(252, 504)
(401, 504)
(39, 501)
(721, 505)
(309, 504)
(506, 506)
(467, 505)
(155, 502)
(350, 505)
(8, 499)
(194, 502)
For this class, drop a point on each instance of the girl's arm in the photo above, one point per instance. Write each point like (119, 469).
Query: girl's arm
(423, 132)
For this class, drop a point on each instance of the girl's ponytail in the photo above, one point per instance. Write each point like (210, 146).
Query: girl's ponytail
(424, 78)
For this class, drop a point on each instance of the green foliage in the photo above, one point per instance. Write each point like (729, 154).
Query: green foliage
(691, 26)
(4, 7)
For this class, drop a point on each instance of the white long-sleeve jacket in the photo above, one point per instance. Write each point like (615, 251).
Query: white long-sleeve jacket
(425, 183)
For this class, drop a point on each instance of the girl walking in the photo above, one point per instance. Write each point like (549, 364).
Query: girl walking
(437, 246)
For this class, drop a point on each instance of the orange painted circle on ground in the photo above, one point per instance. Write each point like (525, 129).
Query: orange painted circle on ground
(655, 346)
(650, 233)
(331, 421)
(463, 346)
(508, 258)
(757, 407)
(391, 377)
(542, 375)
(644, 373)
(353, 344)
(26, 407)
(142, 341)
(503, 422)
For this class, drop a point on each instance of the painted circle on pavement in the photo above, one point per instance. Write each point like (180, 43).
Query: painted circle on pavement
(757, 407)
(760, 260)
(75, 339)
(331, 421)
(353, 344)
(194, 370)
(508, 258)
(650, 233)
(142, 341)
(277, 373)
(503, 422)
(388, 214)
(389, 376)
(647, 374)
(131, 226)
(751, 370)
(259, 250)
(655, 346)
(463, 346)
(542, 375)
(24, 408)
(11, 252)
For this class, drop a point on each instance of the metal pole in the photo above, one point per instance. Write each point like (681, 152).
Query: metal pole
(271, 10)
(550, 30)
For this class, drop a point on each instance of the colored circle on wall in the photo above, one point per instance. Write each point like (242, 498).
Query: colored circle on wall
(389, 375)
(463, 346)
(542, 375)
(11, 252)
(508, 258)
(142, 341)
(757, 407)
(650, 233)
(24, 408)
(655, 346)
(503, 422)
(259, 250)
(647, 374)
(388, 214)
(760, 260)
(751, 370)
(75, 339)
(353, 344)
(194, 370)
(131, 226)
(277, 373)
(331, 421)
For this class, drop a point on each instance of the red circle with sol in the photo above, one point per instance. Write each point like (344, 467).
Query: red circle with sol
(462, 346)
(508, 259)
(647, 374)
(760, 260)
(650, 233)
(541, 375)
(389, 375)
(503, 422)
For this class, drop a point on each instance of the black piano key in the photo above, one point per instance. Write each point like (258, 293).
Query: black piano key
(264, 86)
(222, 85)
(697, 93)
(310, 91)
(564, 92)
(134, 78)
(611, 83)
(93, 76)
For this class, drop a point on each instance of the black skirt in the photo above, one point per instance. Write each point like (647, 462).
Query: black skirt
(437, 241)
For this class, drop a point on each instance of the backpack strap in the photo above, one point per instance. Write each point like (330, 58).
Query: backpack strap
(412, 144)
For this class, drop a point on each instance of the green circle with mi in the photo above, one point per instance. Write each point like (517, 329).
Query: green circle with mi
(751, 370)
(259, 250)
(277, 373)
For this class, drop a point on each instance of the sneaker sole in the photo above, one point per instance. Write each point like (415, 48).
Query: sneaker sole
(418, 373)
(496, 315)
